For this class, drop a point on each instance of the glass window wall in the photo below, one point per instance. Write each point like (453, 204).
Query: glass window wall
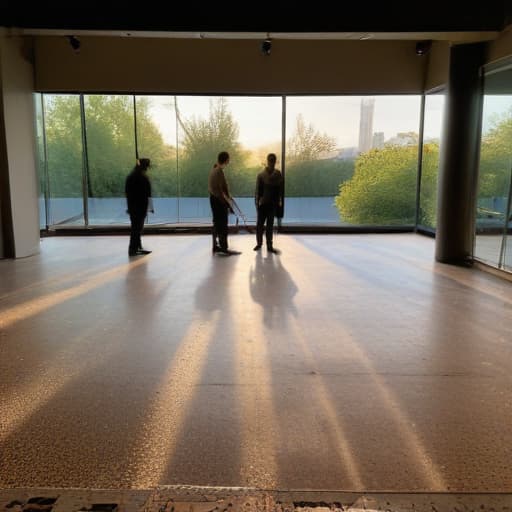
(493, 215)
(350, 160)
(432, 125)
(64, 153)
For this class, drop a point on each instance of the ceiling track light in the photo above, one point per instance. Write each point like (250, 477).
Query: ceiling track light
(74, 42)
(423, 47)
(266, 45)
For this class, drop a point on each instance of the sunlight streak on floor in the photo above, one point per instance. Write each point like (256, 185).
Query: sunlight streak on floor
(432, 474)
(168, 412)
(35, 306)
(346, 454)
(25, 400)
(259, 426)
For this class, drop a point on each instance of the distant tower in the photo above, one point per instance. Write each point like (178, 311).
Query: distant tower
(366, 124)
(378, 140)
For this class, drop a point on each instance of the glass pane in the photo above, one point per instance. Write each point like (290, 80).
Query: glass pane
(248, 128)
(352, 160)
(40, 156)
(433, 122)
(157, 140)
(259, 122)
(494, 179)
(64, 154)
(507, 244)
(110, 132)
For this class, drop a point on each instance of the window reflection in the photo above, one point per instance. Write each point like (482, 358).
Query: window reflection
(64, 159)
(350, 160)
(493, 215)
(432, 125)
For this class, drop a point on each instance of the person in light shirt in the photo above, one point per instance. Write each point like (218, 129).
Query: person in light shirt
(220, 202)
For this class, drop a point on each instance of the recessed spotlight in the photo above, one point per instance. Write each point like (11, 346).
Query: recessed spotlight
(266, 46)
(74, 42)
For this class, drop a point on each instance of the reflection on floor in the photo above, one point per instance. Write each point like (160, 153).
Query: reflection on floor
(488, 248)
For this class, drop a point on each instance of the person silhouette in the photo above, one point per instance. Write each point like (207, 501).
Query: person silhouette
(138, 194)
(273, 288)
(220, 202)
(269, 198)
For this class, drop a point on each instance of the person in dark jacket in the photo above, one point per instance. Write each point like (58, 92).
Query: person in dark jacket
(269, 198)
(138, 194)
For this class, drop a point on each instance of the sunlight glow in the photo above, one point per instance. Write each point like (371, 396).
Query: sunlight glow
(335, 420)
(415, 448)
(165, 421)
(258, 416)
(35, 306)
(25, 400)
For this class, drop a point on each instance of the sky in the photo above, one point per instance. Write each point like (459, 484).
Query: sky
(259, 118)
(494, 106)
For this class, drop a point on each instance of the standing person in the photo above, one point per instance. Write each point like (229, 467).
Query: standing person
(220, 202)
(269, 201)
(138, 193)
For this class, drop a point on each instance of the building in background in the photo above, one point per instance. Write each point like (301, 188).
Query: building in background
(366, 124)
(378, 140)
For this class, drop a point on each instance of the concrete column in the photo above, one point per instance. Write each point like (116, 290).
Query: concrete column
(19, 193)
(458, 166)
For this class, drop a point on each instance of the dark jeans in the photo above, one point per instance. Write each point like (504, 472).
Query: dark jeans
(266, 214)
(220, 222)
(137, 225)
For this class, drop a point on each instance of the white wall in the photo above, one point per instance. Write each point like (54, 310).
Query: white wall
(17, 87)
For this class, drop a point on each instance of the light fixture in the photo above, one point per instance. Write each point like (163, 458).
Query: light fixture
(74, 42)
(266, 45)
(423, 47)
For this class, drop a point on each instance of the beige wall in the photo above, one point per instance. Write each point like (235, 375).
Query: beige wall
(438, 65)
(17, 86)
(115, 64)
(439, 58)
(501, 47)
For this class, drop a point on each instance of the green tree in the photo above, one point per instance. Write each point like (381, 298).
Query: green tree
(382, 189)
(110, 143)
(496, 157)
(307, 144)
(64, 145)
(110, 134)
(311, 171)
(429, 173)
(317, 178)
(203, 140)
(164, 181)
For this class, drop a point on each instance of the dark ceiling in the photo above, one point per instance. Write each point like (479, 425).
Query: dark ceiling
(335, 16)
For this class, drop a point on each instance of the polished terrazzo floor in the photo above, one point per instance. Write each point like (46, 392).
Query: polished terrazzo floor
(351, 362)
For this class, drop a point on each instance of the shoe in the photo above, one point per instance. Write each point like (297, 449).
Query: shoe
(132, 253)
(227, 252)
(143, 251)
(216, 248)
(257, 248)
(273, 251)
